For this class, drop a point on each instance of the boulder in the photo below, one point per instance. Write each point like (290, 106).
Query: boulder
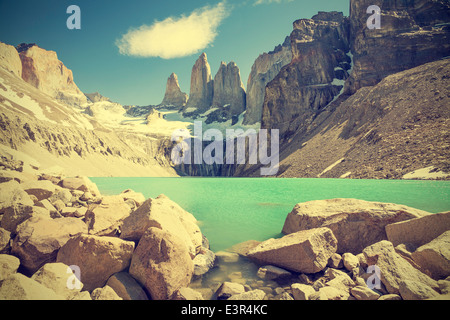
(41, 189)
(228, 289)
(390, 297)
(393, 268)
(18, 213)
(97, 257)
(227, 257)
(105, 293)
(419, 231)
(126, 287)
(39, 239)
(364, 293)
(413, 290)
(137, 197)
(336, 261)
(81, 184)
(434, 257)
(305, 251)
(57, 276)
(356, 224)
(203, 262)
(20, 287)
(161, 262)
(5, 241)
(341, 282)
(63, 194)
(273, 273)
(8, 266)
(75, 212)
(11, 193)
(329, 293)
(106, 218)
(302, 291)
(47, 205)
(187, 294)
(350, 261)
(249, 295)
(166, 215)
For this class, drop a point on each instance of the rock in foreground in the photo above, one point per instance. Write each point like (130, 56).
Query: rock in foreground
(306, 251)
(356, 224)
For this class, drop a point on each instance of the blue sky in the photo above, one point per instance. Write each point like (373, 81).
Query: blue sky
(126, 50)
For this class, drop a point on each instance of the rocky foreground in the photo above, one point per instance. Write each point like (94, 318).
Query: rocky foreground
(61, 239)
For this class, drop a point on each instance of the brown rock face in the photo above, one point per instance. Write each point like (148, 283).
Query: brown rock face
(314, 77)
(202, 88)
(229, 89)
(173, 96)
(43, 70)
(264, 70)
(411, 34)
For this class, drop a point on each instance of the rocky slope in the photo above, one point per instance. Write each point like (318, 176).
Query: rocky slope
(42, 69)
(39, 131)
(174, 98)
(264, 70)
(385, 131)
(344, 107)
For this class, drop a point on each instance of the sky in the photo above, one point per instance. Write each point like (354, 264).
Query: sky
(126, 50)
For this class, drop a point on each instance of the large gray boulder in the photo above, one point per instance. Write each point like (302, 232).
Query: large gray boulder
(38, 240)
(356, 224)
(419, 231)
(306, 251)
(97, 257)
(161, 263)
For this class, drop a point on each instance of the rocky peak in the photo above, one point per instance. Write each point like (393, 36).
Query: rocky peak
(96, 97)
(229, 89)
(10, 60)
(264, 70)
(43, 70)
(202, 86)
(174, 96)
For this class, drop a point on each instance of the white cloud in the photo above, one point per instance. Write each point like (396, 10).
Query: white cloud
(175, 37)
(258, 2)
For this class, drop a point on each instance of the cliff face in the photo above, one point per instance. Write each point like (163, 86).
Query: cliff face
(412, 33)
(173, 97)
(11, 60)
(264, 70)
(386, 131)
(314, 78)
(202, 88)
(43, 70)
(229, 89)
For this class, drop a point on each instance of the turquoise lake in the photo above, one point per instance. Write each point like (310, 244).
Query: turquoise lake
(233, 210)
